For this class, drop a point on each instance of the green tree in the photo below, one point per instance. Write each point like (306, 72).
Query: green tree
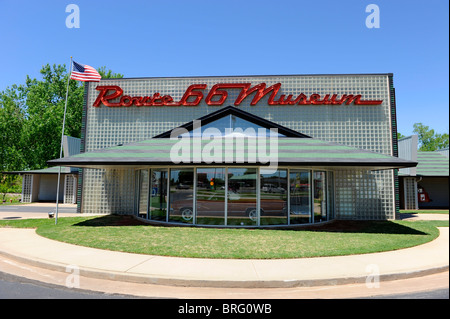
(45, 101)
(12, 119)
(108, 74)
(32, 114)
(428, 139)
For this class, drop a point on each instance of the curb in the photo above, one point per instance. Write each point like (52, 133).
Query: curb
(142, 279)
(226, 283)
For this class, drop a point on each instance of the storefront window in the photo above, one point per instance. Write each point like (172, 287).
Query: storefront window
(273, 197)
(143, 193)
(181, 195)
(300, 197)
(210, 203)
(242, 206)
(320, 198)
(330, 201)
(292, 196)
(158, 197)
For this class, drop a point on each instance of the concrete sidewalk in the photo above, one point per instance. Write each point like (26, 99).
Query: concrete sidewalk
(26, 246)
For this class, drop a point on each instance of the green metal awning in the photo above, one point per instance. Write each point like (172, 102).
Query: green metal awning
(289, 151)
(432, 164)
(48, 170)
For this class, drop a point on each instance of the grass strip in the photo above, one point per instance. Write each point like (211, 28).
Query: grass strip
(126, 234)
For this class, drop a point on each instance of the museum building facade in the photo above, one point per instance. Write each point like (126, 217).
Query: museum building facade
(240, 151)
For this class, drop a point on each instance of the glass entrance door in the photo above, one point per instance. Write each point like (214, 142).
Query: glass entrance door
(273, 197)
(242, 205)
(181, 195)
(210, 200)
(158, 195)
(300, 196)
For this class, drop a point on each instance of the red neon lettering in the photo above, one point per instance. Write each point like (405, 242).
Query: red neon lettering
(103, 98)
(368, 102)
(219, 94)
(190, 92)
(223, 94)
(315, 99)
(126, 100)
(261, 91)
(288, 101)
(157, 100)
(333, 99)
(326, 99)
(356, 99)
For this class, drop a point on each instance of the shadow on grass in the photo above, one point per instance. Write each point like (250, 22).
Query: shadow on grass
(111, 220)
(407, 215)
(343, 226)
(369, 227)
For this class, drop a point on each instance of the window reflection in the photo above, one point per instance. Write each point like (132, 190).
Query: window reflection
(330, 200)
(181, 195)
(320, 203)
(158, 198)
(241, 209)
(273, 197)
(308, 196)
(210, 203)
(299, 183)
(143, 193)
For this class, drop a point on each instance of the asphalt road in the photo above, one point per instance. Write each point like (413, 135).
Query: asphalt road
(15, 287)
(36, 210)
(432, 294)
(31, 209)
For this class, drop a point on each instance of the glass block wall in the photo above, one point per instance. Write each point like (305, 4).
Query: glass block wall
(359, 194)
(410, 193)
(27, 186)
(69, 189)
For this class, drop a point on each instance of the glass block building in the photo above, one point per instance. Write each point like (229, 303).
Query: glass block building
(41, 185)
(425, 186)
(335, 144)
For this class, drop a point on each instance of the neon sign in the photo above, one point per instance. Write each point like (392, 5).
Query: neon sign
(218, 95)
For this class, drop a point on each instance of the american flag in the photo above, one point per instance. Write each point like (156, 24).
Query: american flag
(86, 73)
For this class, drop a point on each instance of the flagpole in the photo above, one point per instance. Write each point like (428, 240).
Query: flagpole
(62, 139)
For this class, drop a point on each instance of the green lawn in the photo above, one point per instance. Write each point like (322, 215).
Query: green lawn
(129, 235)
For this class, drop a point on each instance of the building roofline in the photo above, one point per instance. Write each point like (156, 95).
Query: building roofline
(243, 75)
(231, 110)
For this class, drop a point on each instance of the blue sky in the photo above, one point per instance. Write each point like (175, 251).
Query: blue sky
(238, 37)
